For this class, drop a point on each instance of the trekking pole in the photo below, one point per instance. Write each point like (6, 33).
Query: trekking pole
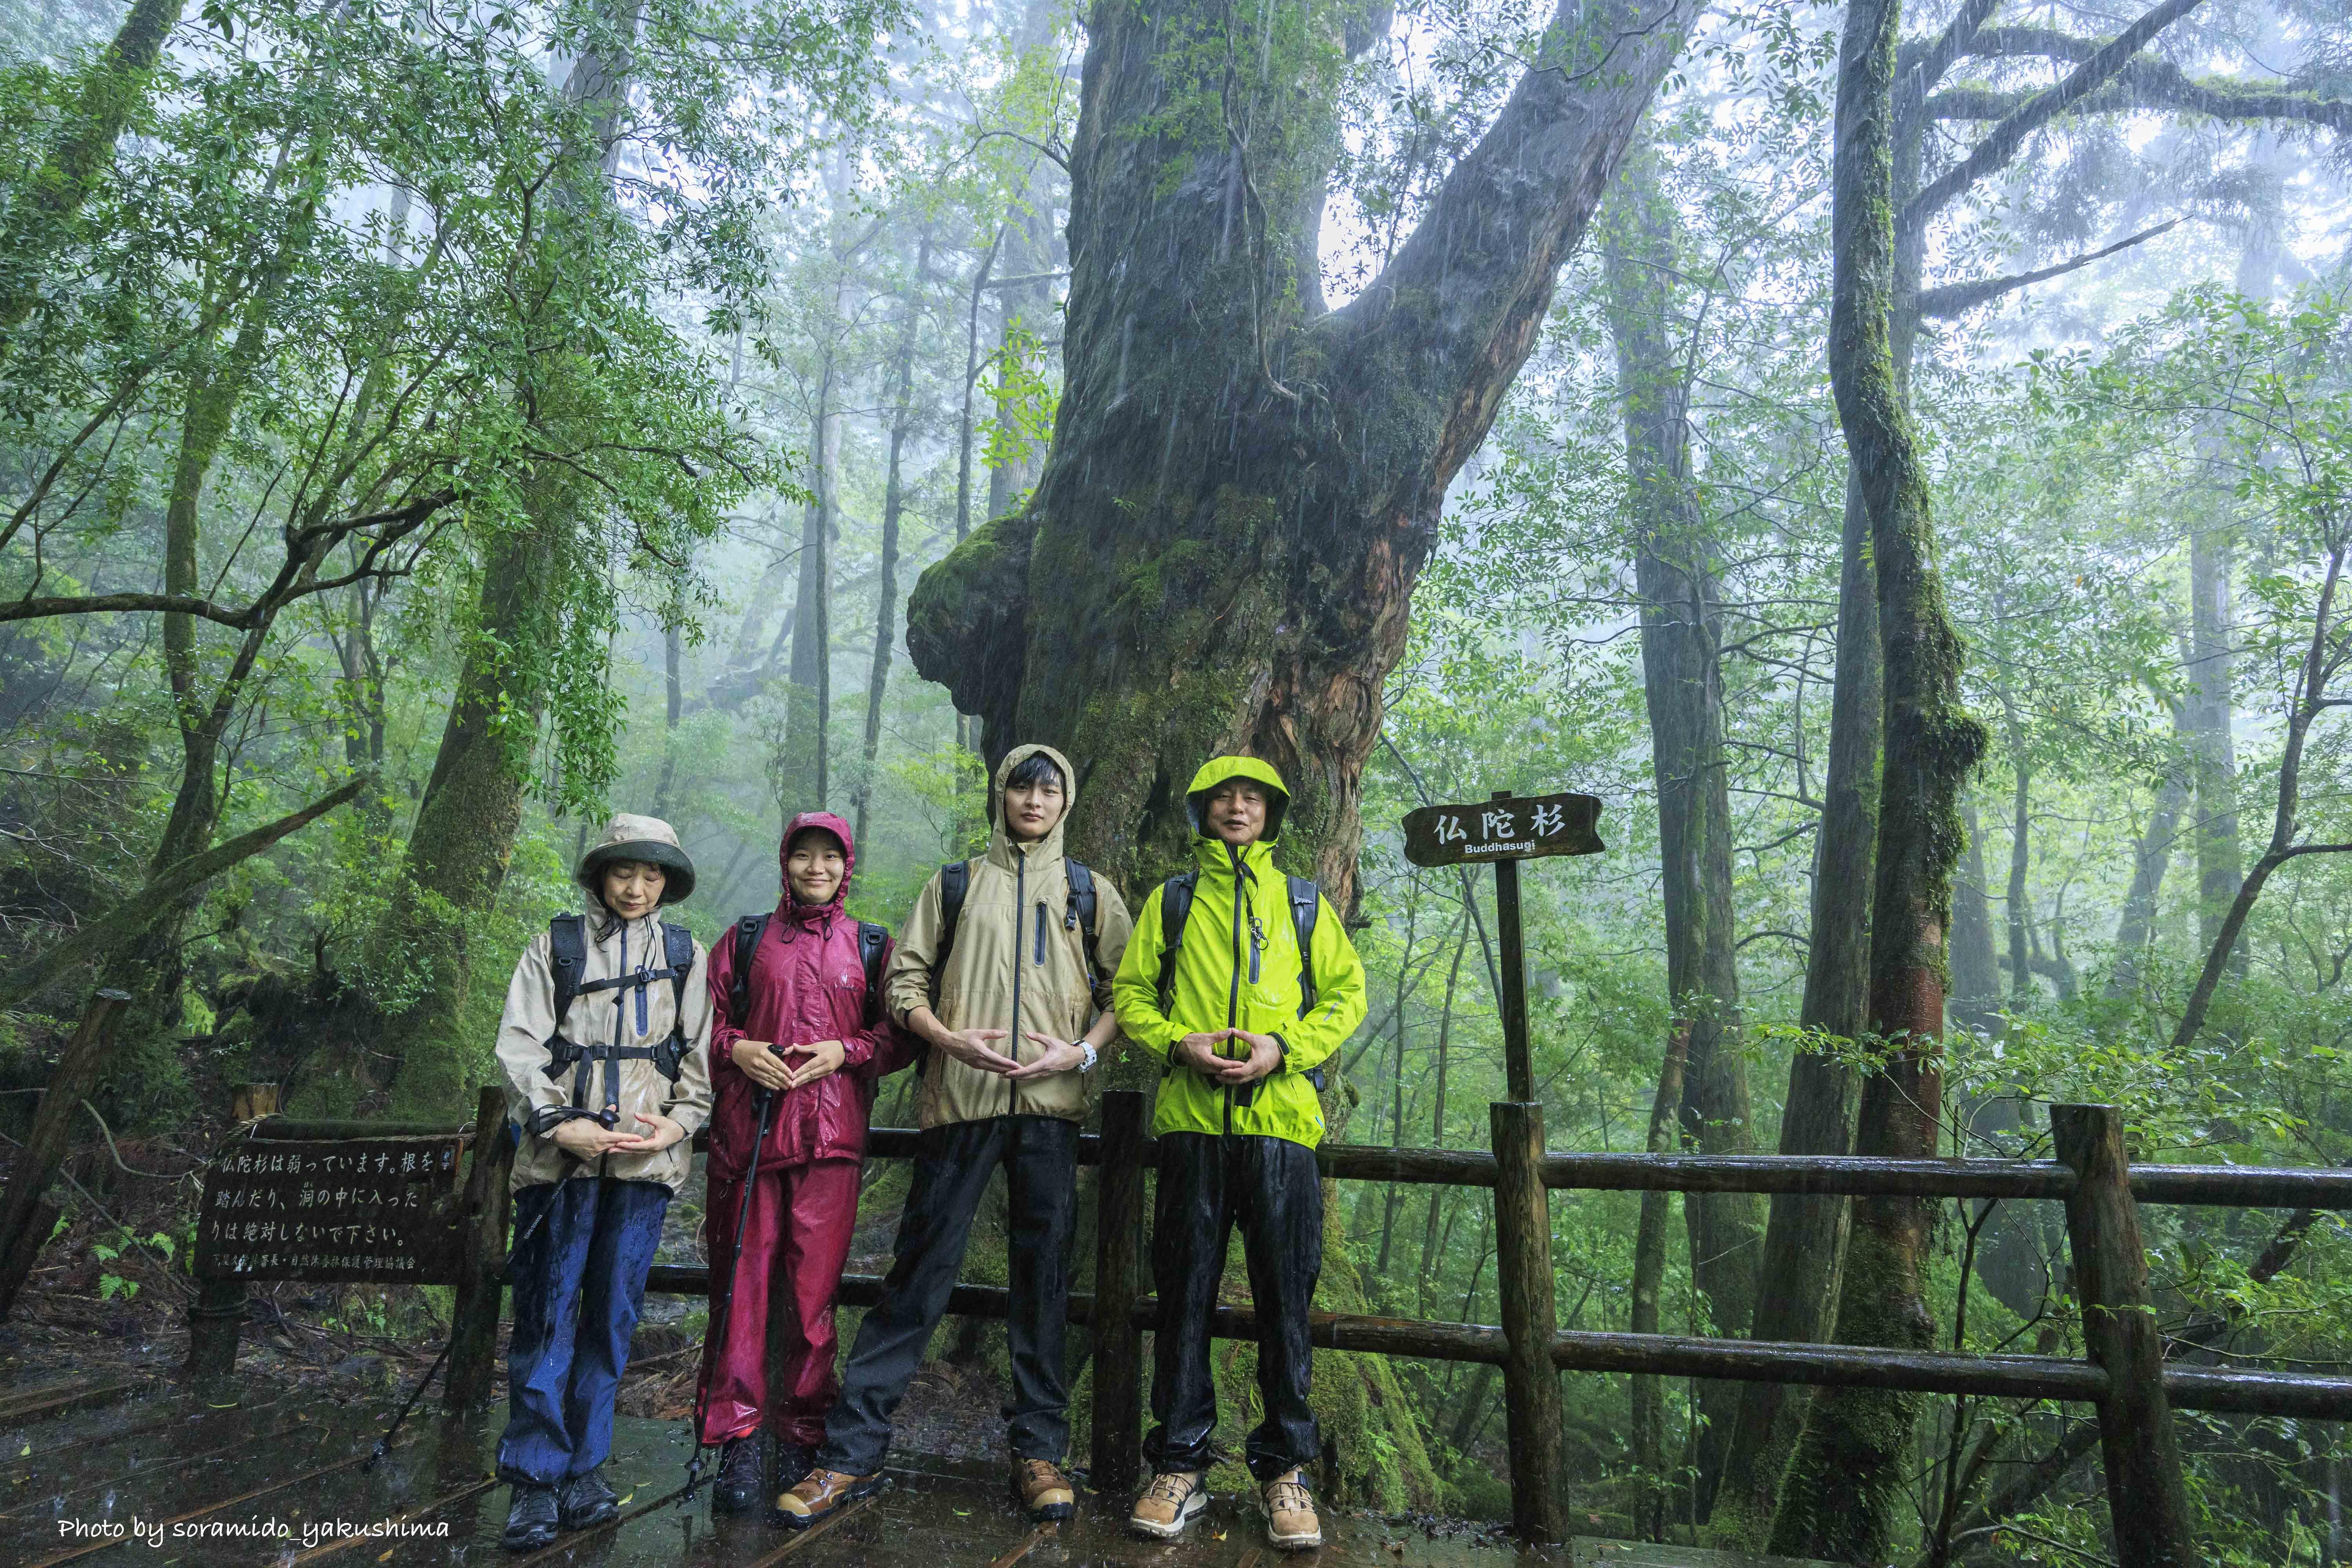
(718, 1346)
(383, 1444)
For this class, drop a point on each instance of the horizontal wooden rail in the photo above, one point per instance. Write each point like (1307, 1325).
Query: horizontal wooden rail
(2251, 1392)
(1851, 1175)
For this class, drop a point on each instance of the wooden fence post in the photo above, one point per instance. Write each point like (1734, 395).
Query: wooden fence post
(1524, 1277)
(474, 1314)
(2148, 1503)
(26, 1216)
(1118, 1343)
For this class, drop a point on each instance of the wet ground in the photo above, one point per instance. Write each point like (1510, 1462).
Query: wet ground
(165, 1475)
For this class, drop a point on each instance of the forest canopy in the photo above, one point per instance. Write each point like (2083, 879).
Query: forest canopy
(1900, 458)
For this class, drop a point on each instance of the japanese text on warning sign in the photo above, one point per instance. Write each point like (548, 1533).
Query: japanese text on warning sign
(375, 1209)
(1513, 828)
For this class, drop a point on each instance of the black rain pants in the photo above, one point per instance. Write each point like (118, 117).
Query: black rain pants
(1208, 1184)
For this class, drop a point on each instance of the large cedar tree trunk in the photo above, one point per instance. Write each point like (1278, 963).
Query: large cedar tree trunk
(1241, 486)
(1847, 1478)
(1682, 675)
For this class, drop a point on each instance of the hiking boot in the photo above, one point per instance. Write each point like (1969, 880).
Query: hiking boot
(821, 1494)
(1172, 1500)
(533, 1522)
(1041, 1489)
(583, 1501)
(1290, 1521)
(743, 1477)
(794, 1460)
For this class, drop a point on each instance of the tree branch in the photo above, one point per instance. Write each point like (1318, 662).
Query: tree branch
(2157, 84)
(1955, 299)
(2002, 144)
(136, 913)
(1454, 312)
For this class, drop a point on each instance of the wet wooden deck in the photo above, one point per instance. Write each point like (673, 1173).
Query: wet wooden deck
(160, 1475)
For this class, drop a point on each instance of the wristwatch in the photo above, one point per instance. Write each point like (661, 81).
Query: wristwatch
(1086, 1064)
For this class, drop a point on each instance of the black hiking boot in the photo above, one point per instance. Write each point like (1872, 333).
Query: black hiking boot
(585, 1501)
(531, 1523)
(742, 1484)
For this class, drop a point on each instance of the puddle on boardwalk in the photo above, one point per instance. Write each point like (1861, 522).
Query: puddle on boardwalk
(176, 1479)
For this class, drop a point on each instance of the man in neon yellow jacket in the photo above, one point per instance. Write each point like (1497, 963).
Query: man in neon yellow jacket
(1242, 980)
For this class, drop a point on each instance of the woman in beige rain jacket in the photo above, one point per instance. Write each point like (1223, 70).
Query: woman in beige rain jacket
(606, 1048)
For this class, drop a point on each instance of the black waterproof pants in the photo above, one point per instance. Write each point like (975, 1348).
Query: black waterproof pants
(1208, 1184)
(1040, 1156)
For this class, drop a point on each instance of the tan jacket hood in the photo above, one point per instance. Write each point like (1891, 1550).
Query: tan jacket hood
(1000, 842)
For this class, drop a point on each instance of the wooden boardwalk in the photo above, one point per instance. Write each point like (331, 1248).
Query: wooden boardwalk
(155, 1474)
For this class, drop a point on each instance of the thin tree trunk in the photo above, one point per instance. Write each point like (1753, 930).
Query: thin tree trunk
(886, 610)
(2021, 828)
(2154, 857)
(1437, 1114)
(1682, 677)
(2321, 660)
(1805, 1238)
(1396, 1078)
(2220, 863)
(38, 222)
(1975, 971)
(1648, 1423)
(673, 708)
(808, 708)
(1847, 1480)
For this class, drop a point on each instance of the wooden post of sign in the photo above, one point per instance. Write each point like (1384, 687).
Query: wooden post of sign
(1524, 1280)
(2145, 1499)
(26, 1216)
(1518, 1073)
(1119, 1246)
(474, 1314)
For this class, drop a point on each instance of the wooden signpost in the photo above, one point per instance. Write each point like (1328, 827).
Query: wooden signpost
(1506, 830)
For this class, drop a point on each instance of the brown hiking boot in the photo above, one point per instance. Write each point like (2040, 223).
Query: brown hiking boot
(1290, 1521)
(821, 1494)
(1172, 1500)
(1041, 1489)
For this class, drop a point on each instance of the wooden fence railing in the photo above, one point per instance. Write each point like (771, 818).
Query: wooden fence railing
(2125, 1375)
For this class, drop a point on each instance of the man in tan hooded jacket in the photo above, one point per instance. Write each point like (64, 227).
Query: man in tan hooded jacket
(1003, 971)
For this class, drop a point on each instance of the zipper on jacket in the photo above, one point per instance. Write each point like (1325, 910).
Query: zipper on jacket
(1234, 989)
(1020, 897)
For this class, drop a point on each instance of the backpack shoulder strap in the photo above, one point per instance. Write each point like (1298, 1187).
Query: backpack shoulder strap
(1306, 909)
(871, 942)
(1080, 915)
(677, 955)
(748, 931)
(1175, 908)
(567, 960)
(955, 881)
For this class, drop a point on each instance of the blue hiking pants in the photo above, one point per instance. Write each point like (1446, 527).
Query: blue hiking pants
(579, 1279)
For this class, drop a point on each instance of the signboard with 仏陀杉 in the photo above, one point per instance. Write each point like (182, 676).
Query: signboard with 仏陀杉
(1512, 827)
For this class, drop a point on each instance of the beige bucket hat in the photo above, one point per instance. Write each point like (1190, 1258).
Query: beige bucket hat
(647, 838)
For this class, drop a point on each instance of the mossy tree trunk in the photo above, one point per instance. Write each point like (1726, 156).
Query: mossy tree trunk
(1681, 678)
(1242, 486)
(1846, 1481)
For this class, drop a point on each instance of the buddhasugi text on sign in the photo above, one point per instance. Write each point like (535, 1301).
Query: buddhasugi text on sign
(373, 1209)
(1513, 828)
